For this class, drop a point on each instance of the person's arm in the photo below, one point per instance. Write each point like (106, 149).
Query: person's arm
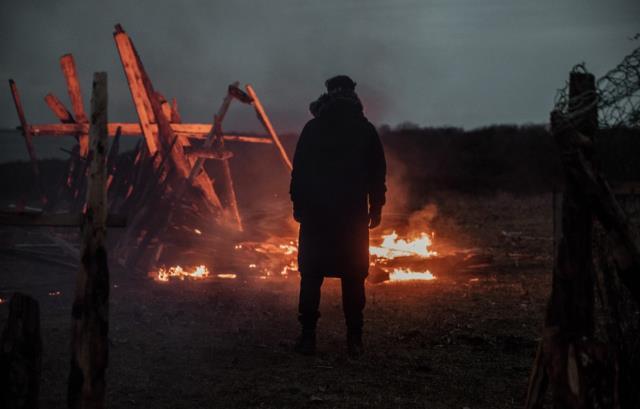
(299, 172)
(376, 177)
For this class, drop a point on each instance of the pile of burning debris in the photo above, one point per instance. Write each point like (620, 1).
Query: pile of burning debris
(180, 224)
(392, 259)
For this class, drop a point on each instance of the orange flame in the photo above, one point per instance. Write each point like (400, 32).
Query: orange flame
(197, 273)
(401, 274)
(393, 247)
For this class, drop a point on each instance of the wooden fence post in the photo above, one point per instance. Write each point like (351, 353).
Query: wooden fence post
(90, 325)
(21, 355)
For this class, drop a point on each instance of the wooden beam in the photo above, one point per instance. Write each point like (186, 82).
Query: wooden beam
(68, 65)
(141, 99)
(262, 116)
(193, 131)
(211, 135)
(59, 110)
(207, 153)
(26, 134)
(90, 311)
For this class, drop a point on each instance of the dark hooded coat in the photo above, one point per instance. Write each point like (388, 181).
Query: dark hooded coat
(338, 176)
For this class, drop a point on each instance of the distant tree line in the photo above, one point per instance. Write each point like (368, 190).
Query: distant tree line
(517, 159)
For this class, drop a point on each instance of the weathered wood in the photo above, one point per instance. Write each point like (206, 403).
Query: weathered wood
(582, 373)
(112, 158)
(21, 355)
(68, 65)
(262, 116)
(139, 95)
(59, 110)
(90, 322)
(226, 166)
(193, 131)
(175, 113)
(211, 136)
(600, 198)
(26, 133)
(207, 153)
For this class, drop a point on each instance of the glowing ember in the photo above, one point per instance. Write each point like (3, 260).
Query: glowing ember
(196, 231)
(197, 273)
(401, 274)
(226, 276)
(393, 247)
(54, 293)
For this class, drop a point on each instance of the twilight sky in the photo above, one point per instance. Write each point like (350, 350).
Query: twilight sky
(433, 62)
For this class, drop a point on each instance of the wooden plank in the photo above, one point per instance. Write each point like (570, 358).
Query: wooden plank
(26, 134)
(21, 354)
(262, 115)
(136, 86)
(201, 180)
(90, 311)
(207, 153)
(211, 136)
(193, 131)
(175, 113)
(68, 65)
(59, 110)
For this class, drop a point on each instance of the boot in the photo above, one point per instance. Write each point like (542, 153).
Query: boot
(306, 343)
(355, 349)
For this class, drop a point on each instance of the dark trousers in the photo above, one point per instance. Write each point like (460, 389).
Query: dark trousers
(353, 301)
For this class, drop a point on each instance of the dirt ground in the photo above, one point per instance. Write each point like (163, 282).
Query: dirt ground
(464, 340)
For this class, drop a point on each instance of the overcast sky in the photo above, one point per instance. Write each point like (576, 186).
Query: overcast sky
(449, 62)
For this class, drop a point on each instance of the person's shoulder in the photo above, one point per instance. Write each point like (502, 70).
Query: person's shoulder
(311, 124)
(371, 128)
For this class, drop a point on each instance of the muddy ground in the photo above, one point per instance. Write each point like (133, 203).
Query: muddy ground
(463, 340)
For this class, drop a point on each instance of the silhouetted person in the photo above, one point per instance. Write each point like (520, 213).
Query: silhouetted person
(338, 190)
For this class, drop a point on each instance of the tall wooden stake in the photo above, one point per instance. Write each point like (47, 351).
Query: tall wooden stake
(90, 324)
(26, 133)
(262, 115)
(68, 65)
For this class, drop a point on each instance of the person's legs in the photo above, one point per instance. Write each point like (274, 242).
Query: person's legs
(308, 314)
(309, 302)
(353, 302)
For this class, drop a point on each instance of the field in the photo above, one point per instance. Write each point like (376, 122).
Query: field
(462, 340)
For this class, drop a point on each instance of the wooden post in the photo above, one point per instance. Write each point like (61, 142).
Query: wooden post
(58, 109)
(21, 354)
(68, 65)
(138, 92)
(215, 135)
(262, 116)
(90, 325)
(26, 133)
(582, 373)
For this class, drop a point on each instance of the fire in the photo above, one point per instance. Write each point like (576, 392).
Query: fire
(197, 273)
(401, 274)
(393, 247)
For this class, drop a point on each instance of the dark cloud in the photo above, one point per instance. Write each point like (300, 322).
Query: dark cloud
(459, 62)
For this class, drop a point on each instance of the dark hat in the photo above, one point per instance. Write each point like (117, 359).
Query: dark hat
(340, 82)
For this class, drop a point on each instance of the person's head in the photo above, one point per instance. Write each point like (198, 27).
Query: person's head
(340, 82)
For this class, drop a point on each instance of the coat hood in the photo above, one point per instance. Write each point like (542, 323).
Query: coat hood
(337, 103)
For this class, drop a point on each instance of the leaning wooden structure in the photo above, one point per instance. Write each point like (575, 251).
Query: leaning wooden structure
(163, 187)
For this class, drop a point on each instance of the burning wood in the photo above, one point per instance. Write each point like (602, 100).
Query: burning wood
(195, 273)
